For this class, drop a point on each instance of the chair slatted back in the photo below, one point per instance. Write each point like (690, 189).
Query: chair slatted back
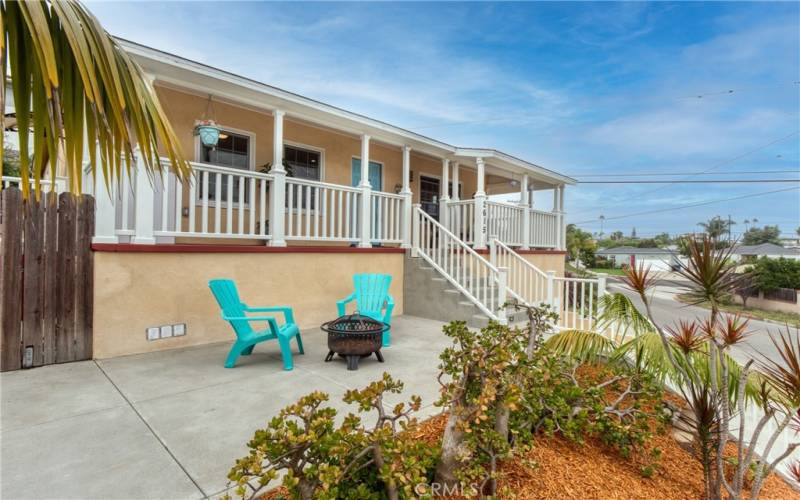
(227, 297)
(372, 291)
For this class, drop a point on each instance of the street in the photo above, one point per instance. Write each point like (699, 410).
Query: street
(668, 311)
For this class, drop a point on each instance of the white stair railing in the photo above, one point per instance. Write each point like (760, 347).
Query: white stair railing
(576, 300)
(474, 276)
(505, 222)
(460, 219)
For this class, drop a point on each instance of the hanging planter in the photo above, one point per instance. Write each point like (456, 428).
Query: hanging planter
(207, 127)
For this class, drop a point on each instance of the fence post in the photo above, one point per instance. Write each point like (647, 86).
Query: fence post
(551, 299)
(415, 230)
(502, 283)
(479, 223)
(143, 199)
(601, 290)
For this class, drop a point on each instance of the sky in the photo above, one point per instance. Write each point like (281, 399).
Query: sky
(587, 89)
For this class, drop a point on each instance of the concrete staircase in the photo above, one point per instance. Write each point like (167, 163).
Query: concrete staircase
(429, 295)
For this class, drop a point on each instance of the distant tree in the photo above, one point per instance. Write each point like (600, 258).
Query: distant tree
(771, 274)
(662, 240)
(633, 233)
(579, 243)
(683, 243)
(717, 227)
(745, 286)
(759, 235)
(797, 231)
(10, 162)
(617, 235)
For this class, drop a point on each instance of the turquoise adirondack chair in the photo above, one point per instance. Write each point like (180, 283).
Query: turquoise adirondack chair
(372, 299)
(235, 312)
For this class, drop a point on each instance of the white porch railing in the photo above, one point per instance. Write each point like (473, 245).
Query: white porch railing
(475, 277)
(318, 211)
(574, 299)
(544, 229)
(387, 217)
(61, 183)
(461, 219)
(504, 221)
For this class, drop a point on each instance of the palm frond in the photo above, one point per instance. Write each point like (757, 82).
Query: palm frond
(74, 86)
(620, 316)
(581, 345)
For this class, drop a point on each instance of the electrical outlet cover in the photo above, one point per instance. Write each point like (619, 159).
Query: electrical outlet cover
(179, 330)
(153, 333)
(166, 331)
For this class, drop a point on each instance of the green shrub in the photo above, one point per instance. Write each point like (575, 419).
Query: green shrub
(771, 274)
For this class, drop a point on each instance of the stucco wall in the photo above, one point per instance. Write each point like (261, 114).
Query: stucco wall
(549, 261)
(134, 291)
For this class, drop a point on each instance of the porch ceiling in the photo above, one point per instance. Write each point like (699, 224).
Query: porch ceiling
(200, 78)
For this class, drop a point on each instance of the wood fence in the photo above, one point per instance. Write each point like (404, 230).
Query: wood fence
(46, 279)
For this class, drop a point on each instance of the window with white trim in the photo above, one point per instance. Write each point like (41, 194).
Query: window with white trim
(232, 151)
(302, 163)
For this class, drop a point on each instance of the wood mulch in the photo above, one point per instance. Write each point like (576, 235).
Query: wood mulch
(567, 470)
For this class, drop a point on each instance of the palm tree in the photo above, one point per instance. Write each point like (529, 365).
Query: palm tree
(73, 84)
(716, 227)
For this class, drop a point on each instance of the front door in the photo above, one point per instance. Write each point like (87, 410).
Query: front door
(375, 174)
(429, 195)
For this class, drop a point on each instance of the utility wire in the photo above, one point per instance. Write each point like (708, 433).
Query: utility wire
(713, 167)
(694, 181)
(690, 205)
(654, 174)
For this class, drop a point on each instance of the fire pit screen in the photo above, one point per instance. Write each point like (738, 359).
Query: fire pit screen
(354, 336)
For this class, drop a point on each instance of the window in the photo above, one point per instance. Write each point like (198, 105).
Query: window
(232, 151)
(302, 163)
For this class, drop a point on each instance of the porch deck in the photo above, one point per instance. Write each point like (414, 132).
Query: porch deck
(170, 424)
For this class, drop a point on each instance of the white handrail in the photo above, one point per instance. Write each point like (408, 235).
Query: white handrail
(504, 221)
(461, 218)
(474, 276)
(576, 301)
(526, 282)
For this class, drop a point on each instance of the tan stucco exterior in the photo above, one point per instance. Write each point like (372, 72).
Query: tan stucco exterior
(550, 261)
(134, 291)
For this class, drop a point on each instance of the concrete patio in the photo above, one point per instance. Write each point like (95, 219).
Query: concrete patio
(170, 424)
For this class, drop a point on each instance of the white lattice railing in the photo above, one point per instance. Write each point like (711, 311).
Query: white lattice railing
(387, 217)
(321, 211)
(504, 221)
(475, 277)
(544, 229)
(461, 219)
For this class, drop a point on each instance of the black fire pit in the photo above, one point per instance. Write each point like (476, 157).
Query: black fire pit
(354, 336)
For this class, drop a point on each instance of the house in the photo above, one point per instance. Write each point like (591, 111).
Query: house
(769, 250)
(299, 195)
(659, 259)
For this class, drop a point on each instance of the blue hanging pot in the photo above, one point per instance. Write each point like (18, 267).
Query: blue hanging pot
(208, 130)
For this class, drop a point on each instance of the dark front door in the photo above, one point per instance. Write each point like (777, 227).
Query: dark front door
(429, 195)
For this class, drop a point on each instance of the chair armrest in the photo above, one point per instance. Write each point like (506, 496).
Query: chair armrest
(288, 314)
(273, 323)
(341, 303)
(389, 307)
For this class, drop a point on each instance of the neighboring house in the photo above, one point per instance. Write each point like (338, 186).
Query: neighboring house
(659, 259)
(295, 198)
(769, 250)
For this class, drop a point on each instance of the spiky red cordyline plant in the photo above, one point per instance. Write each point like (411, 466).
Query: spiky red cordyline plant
(783, 373)
(709, 271)
(638, 278)
(794, 470)
(734, 330)
(685, 335)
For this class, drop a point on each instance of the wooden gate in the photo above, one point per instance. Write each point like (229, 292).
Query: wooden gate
(46, 279)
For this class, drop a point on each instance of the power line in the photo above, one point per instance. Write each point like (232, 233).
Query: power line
(695, 181)
(691, 205)
(653, 174)
(713, 167)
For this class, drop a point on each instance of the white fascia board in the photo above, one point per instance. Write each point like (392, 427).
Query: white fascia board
(514, 164)
(179, 71)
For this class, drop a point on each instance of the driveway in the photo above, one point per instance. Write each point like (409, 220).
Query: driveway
(171, 424)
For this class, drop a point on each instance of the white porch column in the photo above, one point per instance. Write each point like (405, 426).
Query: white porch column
(277, 195)
(366, 195)
(526, 213)
(105, 207)
(444, 197)
(530, 193)
(563, 228)
(456, 196)
(144, 202)
(406, 192)
(479, 224)
(556, 210)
